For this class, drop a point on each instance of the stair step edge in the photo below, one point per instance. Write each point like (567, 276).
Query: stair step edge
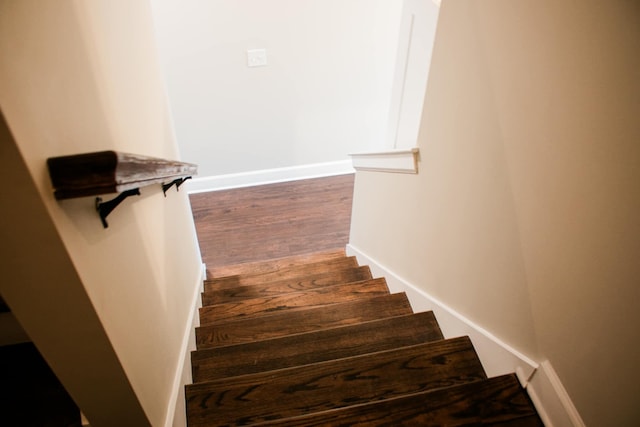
(289, 285)
(233, 269)
(246, 330)
(463, 342)
(432, 408)
(311, 347)
(289, 272)
(263, 396)
(323, 290)
(294, 301)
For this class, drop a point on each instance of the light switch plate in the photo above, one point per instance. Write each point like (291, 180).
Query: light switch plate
(256, 57)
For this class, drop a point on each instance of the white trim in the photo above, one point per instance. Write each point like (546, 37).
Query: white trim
(268, 176)
(403, 58)
(176, 413)
(497, 357)
(540, 380)
(399, 161)
(551, 399)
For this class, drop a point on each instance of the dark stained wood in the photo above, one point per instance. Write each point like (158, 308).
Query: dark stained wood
(292, 272)
(273, 221)
(366, 362)
(270, 265)
(107, 172)
(312, 281)
(313, 347)
(496, 401)
(360, 379)
(302, 300)
(313, 319)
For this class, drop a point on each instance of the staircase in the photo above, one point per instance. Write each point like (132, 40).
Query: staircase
(315, 340)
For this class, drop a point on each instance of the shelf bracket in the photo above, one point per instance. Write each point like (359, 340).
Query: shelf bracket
(105, 208)
(177, 182)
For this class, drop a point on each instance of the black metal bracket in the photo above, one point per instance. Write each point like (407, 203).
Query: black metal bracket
(105, 208)
(177, 182)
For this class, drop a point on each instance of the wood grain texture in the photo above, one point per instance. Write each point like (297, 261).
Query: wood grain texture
(312, 281)
(297, 391)
(273, 221)
(105, 172)
(279, 345)
(275, 264)
(296, 322)
(265, 306)
(313, 347)
(291, 272)
(496, 401)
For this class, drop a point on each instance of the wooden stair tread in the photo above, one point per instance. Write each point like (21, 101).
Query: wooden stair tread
(287, 323)
(293, 301)
(498, 400)
(346, 275)
(337, 383)
(293, 271)
(313, 347)
(275, 264)
(291, 344)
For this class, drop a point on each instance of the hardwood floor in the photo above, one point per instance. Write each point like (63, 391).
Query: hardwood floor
(294, 332)
(238, 226)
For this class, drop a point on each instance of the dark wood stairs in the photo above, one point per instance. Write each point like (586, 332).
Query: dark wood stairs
(315, 340)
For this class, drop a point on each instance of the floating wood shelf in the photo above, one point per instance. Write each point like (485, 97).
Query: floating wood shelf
(106, 172)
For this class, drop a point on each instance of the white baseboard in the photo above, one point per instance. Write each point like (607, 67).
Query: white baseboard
(177, 412)
(268, 176)
(498, 357)
(552, 400)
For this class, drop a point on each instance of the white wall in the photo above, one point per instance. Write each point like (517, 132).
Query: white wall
(77, 77)
(524, 214)
(324, 93)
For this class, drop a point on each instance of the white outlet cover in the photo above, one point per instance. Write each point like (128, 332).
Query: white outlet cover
(256, 57)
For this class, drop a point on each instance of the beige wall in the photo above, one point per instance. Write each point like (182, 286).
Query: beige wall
(47, 296)
(524, 216)
(80, 76)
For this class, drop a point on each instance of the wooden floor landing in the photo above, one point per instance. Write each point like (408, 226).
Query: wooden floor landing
(272, 221)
